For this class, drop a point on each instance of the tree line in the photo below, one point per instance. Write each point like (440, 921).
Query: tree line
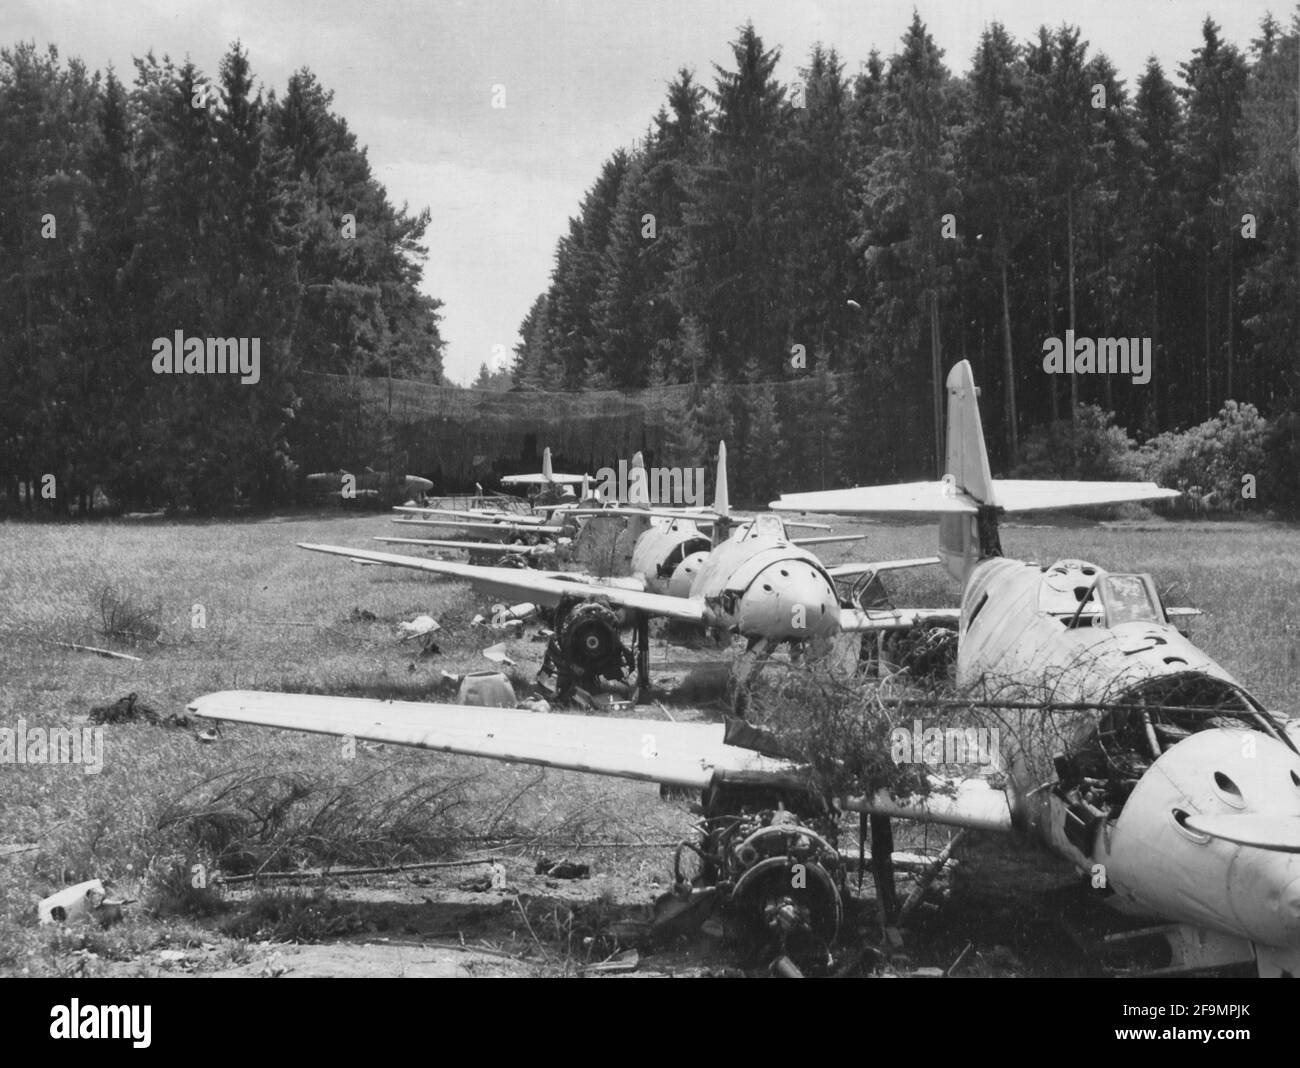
(865, 230)
(209, 207)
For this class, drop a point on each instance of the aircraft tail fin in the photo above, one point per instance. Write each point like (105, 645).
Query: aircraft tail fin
(968, 458)
(546, 464)
(968, 474)
(968, 498)
(721, 495)
(638, 484)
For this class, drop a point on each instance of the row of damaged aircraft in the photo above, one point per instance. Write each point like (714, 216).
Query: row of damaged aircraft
(698, 566)
(1125, 750)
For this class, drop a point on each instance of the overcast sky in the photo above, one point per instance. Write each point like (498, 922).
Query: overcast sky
(415, 80)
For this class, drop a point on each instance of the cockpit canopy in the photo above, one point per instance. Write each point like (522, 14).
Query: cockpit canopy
(763, 525)
(1081, 594)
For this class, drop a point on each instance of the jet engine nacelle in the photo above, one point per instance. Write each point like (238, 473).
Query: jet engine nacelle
(1241, 878)
(684, 574)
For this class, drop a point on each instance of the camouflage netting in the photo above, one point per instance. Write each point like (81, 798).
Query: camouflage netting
(459, 436)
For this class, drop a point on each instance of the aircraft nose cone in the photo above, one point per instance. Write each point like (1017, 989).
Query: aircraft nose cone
(790, 599)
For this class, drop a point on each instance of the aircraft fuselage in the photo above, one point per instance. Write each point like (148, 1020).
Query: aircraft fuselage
(1112, 790)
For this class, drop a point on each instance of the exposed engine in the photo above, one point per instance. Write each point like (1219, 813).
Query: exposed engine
(1097, 780)
(586, 647)
(777, 882)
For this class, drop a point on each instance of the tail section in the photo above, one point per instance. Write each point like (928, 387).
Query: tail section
(547, 473)
(969, 499)
(721, 497)
(638, 485)
(968, 459)
(960, 547)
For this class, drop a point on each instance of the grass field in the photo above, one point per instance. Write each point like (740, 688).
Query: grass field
(281, 619)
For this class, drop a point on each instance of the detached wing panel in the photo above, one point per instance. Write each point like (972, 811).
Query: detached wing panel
(548, 589)
(679, 754)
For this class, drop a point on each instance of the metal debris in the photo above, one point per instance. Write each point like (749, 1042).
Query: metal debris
(491, 689)
(73, 903)
(497, 654)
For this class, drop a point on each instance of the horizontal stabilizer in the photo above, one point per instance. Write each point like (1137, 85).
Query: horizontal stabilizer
(945, 498)
(923, 498)
(1030, 495)
(678, 754)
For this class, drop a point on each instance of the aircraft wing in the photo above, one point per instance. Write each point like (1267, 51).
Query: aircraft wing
(678, 754)
(858, 619)
(546, 588)
(920, 497)
(504, 548)
(829, 539)
(484, 515)
(862, 567)
(541, 479)
(972, 802)
(501, 526)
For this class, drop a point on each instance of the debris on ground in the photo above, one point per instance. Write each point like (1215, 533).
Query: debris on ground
(72, 903)
(362, 615)
(422, 628)
(505, 614)
(130, 709)
(490, 689)
(536, 704)
(627, 961)
(274, 968)
(417, 627)
(494, 879)
(563, 869)
(497, 654)
(96, 650)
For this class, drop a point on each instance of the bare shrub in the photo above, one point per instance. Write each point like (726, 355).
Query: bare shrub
(126, 618)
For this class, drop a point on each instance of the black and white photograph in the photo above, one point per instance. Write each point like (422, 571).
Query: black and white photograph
(739, 489)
